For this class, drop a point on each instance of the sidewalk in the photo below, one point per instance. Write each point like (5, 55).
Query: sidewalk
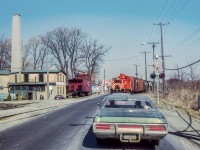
(32, 109)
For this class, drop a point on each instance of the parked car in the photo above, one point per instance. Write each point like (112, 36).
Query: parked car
(59, 97)
(129, 119)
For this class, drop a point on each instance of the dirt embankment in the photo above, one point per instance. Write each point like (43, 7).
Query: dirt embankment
(178, 104)
(4, 106)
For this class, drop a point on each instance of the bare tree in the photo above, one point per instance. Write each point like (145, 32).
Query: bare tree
(5, 52)
(67, 47)
(25, 60)
(33, 49)
(92, 55)
(64, 44)
(34, 54)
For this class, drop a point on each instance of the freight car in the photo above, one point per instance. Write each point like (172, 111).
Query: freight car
(80, 85)
(127, 84)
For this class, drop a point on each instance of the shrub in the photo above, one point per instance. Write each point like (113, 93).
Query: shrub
(187, 97)
(8, 98)
(20, 97)
(193, 105)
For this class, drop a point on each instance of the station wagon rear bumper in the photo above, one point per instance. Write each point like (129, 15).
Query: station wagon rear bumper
(130, 132)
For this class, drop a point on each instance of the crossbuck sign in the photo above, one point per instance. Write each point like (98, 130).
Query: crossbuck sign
(157, 65)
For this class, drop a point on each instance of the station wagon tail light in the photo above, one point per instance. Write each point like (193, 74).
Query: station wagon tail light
(155, 128)
(104, 127)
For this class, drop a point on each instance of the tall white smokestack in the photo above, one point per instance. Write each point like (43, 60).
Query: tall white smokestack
(16, 44)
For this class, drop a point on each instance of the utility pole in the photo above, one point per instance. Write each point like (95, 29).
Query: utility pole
(162, 53)
(153, 46)
(67, 77)
(178, 72)
(47, 76)
(136, 74)
(145, 52)
(104, 78)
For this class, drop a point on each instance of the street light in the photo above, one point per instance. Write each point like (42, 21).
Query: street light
(143, 43)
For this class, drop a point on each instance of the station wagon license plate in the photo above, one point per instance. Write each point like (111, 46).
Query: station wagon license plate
(129, 136)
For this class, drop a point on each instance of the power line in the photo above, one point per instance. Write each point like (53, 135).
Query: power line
(123, 58)
(181, 8)
(194, 43)
(192, 34)
(165, 4)
(169, 9)
(162, 10)
(176, 8)
(175, 11)
(185, 66)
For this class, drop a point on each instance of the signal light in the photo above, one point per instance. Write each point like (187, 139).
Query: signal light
(153, 76)
(161, 75)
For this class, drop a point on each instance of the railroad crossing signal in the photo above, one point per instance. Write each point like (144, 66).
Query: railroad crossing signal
(157, 66)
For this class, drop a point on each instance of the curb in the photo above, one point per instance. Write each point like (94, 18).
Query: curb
(46, 108)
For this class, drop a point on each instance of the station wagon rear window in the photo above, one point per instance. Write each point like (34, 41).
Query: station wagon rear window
(134, 104)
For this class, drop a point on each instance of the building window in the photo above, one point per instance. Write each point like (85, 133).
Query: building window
(15, 78)
(26, 77)
(17, 87)
(12, 88)
(58, 78)
(58, 90)
(30, 88)
(40, 88)
(23, 87)
(63, 90)
(41, 77)
(63, 78)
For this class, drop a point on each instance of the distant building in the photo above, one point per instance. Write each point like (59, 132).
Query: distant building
(32, 84)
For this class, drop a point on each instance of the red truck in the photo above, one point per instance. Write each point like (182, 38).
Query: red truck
(80, 85)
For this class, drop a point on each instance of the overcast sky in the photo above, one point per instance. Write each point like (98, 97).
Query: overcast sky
(121, 24)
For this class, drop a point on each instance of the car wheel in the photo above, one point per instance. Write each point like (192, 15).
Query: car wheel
(100, 141)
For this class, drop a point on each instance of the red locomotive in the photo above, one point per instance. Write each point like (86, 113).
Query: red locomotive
(127, 84)
(80, 85)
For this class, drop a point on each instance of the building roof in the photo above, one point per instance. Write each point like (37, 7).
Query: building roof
(7, 72)
(41, 71)
(29, 83)
(4, 72)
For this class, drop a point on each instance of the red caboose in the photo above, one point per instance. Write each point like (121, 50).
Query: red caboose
(79, 85)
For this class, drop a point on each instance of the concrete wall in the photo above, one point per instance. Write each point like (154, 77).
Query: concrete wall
(4, 79)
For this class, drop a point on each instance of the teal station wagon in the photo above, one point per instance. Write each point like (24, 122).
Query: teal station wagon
(120, 116)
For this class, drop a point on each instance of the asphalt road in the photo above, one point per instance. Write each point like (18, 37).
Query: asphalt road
(69, 128)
